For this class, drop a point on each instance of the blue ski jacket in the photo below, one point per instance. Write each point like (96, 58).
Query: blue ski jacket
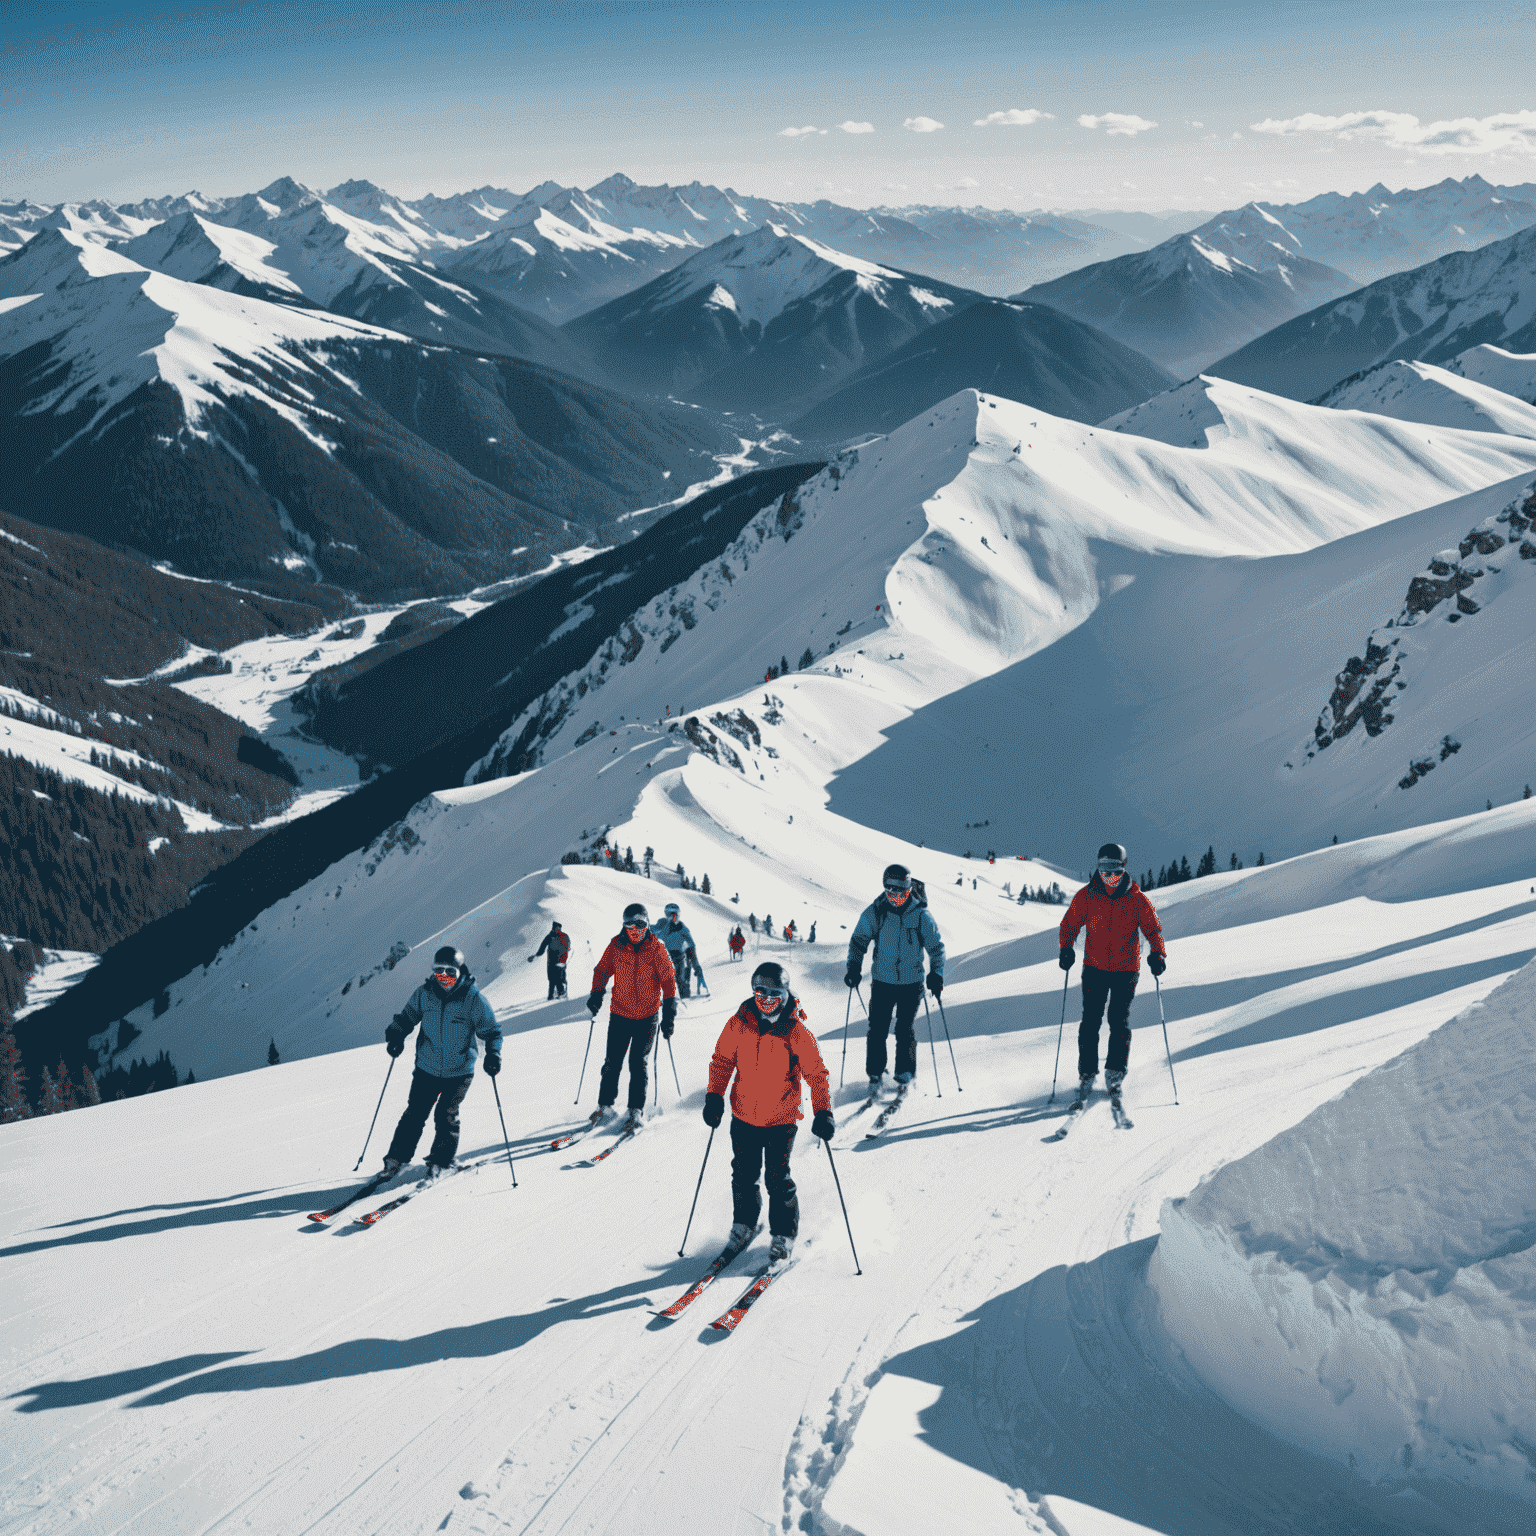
(451, 1022)
(899, 937)
(675, 936)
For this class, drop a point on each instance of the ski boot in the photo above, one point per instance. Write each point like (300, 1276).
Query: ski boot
(1085, 1089)
(392, 1166)
(781, 1248)
(741, 1235)
(633, 1120)
(903, 1081)
(1114, 1081)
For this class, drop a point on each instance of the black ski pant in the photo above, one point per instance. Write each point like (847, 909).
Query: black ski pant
(883, 997)
(1117, 988)
(633, 1036)
(763, 1148)
(447, 1093)
(680, 970)
(556, 975)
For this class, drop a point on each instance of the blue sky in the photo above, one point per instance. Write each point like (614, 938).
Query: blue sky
(1113, 104)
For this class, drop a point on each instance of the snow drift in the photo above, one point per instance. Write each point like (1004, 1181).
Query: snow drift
(1365, 1284)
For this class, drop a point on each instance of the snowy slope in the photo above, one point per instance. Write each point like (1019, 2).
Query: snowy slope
(1436, 397)
(199, 251)
(1198, 296)
(1510, 372)
(1431, 314)
(1382, 1324)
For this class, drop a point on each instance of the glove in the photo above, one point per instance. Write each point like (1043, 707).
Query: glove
(594, 1003)
(532, 958)
(394, 1045)
(935, 983)
(492, 1063)
(668, 1017)
(714, 1109)
(851, 980)
(1068, 958)
(823, 1125)
(1157, 963)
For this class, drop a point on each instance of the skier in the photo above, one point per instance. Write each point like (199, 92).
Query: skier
(768, 1048)
(810, 938)
(452, 1015)
(737, 943)
(1114, 911)
(673, 932)
(558, 943)
(900, 927)
(643, 982)
(752, 919)
(768, 924)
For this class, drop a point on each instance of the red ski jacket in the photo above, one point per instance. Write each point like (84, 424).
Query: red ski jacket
(642, 975)
(1113, 923)
(769, 1061)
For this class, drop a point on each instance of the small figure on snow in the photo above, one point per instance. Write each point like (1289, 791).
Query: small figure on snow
(453, 1016)
(558, 943)
(674, 933)
(770, 1052)
(737, 943)
(900, 927)
(1115, 912)
(643, 984)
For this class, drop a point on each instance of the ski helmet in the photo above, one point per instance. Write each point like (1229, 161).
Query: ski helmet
(555, 927)
(672, 910)
(636, 916)
(897, 877)
(1112, 859)
(449, 958)
(772, 980)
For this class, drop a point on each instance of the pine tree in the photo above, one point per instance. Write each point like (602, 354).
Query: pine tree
(1527, 794)
(1184, 873)
(806, 658)
(66, 1089)
(272, 1057)
(704, 888)
(48, 1100)
(13, 1079)
(1207, 863)
(1260, 858)
(783, 666)
(89, 1093)
(1233, 864)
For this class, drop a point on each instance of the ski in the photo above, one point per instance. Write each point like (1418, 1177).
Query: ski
(420, 1187)
(1074, 1112)
(730, 1321)
(728, 1255)
(885, 1114)
(1122, 1120)
(560, 1143)
(378, 1181)
(628, 1134)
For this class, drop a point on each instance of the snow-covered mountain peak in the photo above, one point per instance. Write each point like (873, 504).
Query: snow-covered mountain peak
(197, 250)
(284, 193)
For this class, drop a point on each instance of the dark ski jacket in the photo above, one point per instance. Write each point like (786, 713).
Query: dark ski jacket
(558, 943)
(899, 937)
(451, 1023)
(1114, 924)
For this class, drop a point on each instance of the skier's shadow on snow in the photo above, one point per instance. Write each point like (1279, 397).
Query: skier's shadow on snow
(980, 1121)
(102, 1389)
(1068, 1386)
(357, 1357)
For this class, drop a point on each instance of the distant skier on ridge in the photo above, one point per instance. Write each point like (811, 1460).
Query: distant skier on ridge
(768, 1049)
(899, 925)
(1115, 912)
(637, 963)
(558, 943)
(452, 1015)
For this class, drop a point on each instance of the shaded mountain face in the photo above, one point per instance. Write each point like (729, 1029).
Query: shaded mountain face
(1432, 314)
(764, 322)
(1025, 352)
(278, 446)
(1197, 296)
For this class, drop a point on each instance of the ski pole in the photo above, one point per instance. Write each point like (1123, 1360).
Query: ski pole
(862, 1003)
(505, 1141)
(847, 1014)
(656, 1070)
(700, 1185)
(857, 1267)
(950, 1043)
(673, 1059)
(928, 1014)
(1066, 981)
(376, 1108)
(579, 1081)
(1164, 1018)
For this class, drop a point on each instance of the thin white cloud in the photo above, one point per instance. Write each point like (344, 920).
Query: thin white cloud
(1122, 124)
(1196, 125)
(966, 183)
(852, 127)
(1012, 118)
(922, 125)
(1500, 133)
(798, 133)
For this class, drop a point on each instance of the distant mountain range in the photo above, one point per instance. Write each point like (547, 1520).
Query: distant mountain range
(277, 446)
(1431, 314)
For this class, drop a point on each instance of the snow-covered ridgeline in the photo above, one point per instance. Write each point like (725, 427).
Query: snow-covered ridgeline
(1513, 373)
(1441, 397)
(1363, 1284)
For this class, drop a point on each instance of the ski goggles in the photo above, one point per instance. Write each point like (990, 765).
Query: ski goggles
(1111, 866)
(636, 925)
(446, 972)
(771, 997)
(672, 911)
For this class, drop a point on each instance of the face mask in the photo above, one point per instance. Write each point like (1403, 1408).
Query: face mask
(1111, 882)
